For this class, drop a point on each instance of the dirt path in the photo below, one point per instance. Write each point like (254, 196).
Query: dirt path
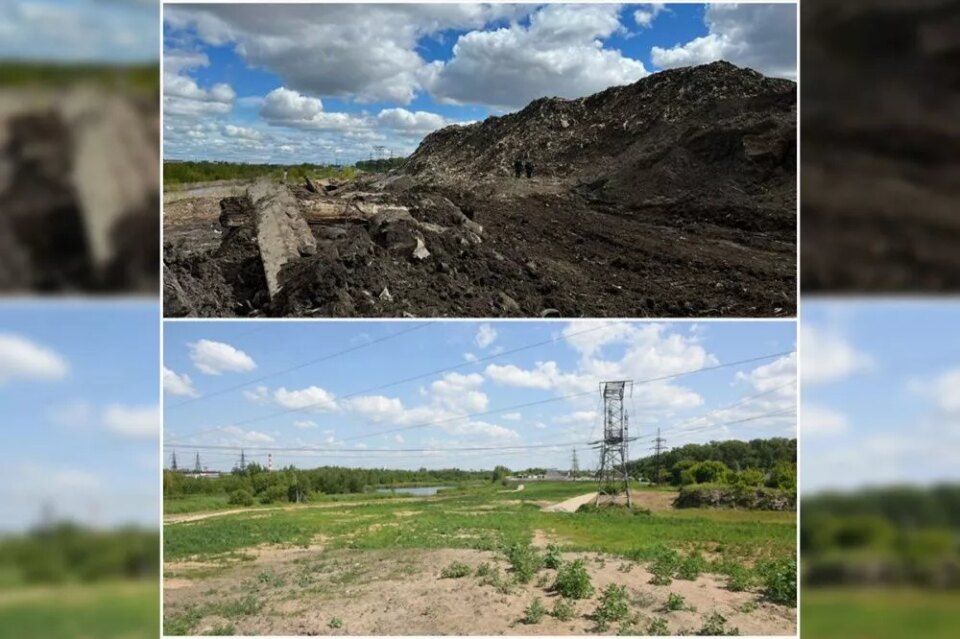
(570, 505)
(189, 517)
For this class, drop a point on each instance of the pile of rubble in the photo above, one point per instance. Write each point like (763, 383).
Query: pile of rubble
(321, 248)
(79, 192)
(674, 196)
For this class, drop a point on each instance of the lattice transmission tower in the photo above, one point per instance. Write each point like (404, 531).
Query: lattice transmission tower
(613, 476)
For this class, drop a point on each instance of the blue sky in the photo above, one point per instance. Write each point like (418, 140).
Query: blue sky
(322, 83)
(881, 393)
(112, 31)
(230, 384)
(79, 389)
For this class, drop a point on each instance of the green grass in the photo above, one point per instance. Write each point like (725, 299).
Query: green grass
(865, 613)
(111, 610)
(138, 78)
(463, 520)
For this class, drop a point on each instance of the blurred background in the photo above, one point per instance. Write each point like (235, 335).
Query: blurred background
(880, 146)
(79, 146)
(880, 469)
(79, 511)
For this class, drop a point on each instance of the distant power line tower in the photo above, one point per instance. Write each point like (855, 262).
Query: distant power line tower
(196, 465)
(379, 152)
(243, 461)
(574, 465)
(613, 447)
(173, 461)
(657, 451)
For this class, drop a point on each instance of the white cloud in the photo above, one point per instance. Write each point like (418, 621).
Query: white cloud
(132, 421)
(312, 397)
(821, 421)
(512, 417)
(776, 376)
(236, 436)
(243, 133)
(419, 122)
(214, 358)
(647, 13)
(826, 356)
(486, 335)
(376, 408)
(943, 389)
(286, 107)
(559, 54)
(305, 424)
(183, 96)
(178, 384)
(23, 359)
(760, 36)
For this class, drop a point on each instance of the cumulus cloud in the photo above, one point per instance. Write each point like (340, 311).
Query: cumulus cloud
(759, 36)
(132, 421)
(827, 356)
(647, 13)
(312, 398)
(214, 358)
(943, 389)
(24, 359)
(419, 122)
(175, 384)
(560, 53)
(183, 96)
(486, 335)
(821, 421)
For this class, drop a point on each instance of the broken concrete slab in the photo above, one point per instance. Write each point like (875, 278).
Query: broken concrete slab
(282, 233)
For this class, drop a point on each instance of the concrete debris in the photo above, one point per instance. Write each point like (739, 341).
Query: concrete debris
(282, 233)
(420, 252)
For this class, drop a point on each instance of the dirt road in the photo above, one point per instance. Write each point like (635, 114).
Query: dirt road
(570, 505)
(189, 517)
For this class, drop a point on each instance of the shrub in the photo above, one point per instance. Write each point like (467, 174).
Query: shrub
(675, 602)
(665, 564)
(455, 570)
(780, 581)
(525, 561)
(724, 496)
(739, 578)
(613, 606)
(658, 627)
(482, 570)
(335, 622)
(495, 578)
(273, 493)
(563, 610)
(552, 559)
(534, 612)
(691, 566)
(573, 581)
(716, 626)
(240, 498)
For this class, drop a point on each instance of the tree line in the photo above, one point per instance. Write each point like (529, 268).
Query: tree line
(255, 483)
(66, 552)
(731, 460)
(882, 536)
(189, 172)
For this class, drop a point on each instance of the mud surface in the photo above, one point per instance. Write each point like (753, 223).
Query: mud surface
(299, 591)
(672, 197)
(881, 146)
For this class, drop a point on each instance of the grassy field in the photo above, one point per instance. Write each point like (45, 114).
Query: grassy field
(879, 614)
(143, 79)
(354, 537)
(114, 610)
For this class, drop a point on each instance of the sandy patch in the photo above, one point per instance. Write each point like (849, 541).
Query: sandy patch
(400, 592)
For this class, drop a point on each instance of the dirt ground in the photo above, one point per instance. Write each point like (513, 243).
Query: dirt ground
(880, 160)
(298, 592)
(546, 251)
